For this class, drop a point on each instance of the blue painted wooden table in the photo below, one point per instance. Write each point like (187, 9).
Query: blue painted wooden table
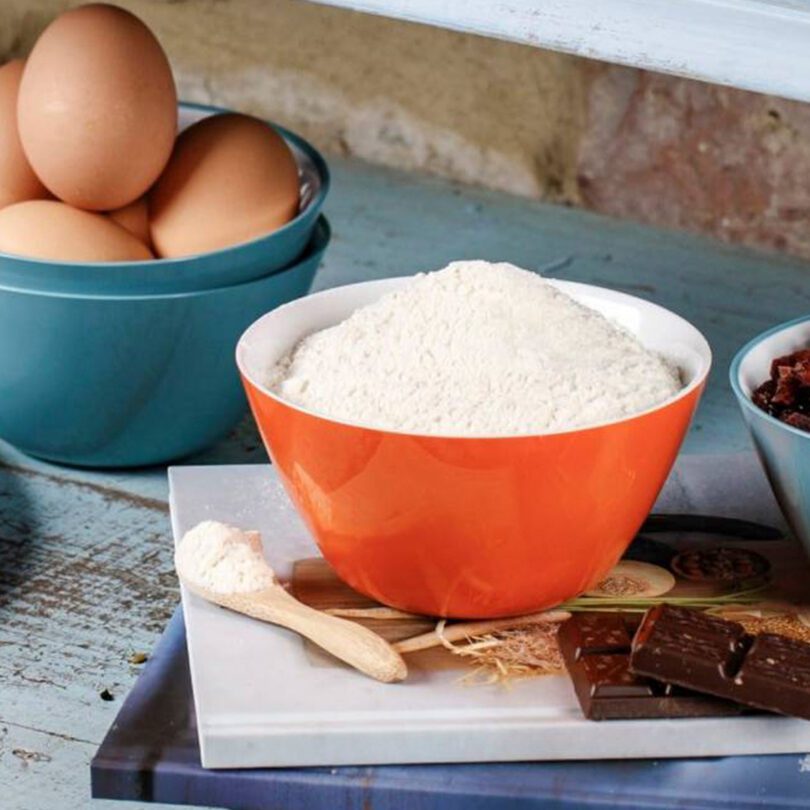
(86, 576)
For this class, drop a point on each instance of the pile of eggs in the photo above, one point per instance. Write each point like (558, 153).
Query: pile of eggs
(92, 169)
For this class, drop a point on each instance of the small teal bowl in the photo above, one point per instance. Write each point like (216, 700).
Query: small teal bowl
(114, 381)
(783, 450)
(233, 265)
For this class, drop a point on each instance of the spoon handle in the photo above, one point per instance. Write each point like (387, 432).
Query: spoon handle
(351, 642)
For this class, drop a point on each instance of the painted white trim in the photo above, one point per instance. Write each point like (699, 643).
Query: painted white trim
(761, 45)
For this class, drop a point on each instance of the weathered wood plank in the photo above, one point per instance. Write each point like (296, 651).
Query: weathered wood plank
(85, 580)
(34, 771)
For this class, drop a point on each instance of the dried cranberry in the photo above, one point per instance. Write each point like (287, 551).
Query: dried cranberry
(787, 388)
(802, 371)
(786, 361)
(798, 420)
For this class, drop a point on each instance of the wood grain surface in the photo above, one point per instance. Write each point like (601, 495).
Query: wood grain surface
(85, 557)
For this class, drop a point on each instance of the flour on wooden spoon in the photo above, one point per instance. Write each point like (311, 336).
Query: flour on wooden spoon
(226, 566)
(223, 559)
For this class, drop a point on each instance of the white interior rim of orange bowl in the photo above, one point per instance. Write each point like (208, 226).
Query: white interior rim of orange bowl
(248, 366)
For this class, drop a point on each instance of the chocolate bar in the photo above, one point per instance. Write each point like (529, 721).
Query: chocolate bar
(596, 648)
(718, 657)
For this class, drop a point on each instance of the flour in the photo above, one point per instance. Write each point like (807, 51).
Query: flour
(223, 559)
(475, 349)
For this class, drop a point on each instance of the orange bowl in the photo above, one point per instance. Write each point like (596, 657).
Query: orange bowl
(471, 527)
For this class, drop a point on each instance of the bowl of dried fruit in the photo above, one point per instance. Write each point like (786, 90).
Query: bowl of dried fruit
(770, 377)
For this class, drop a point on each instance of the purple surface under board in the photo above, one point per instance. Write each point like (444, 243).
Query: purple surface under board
(151, 754)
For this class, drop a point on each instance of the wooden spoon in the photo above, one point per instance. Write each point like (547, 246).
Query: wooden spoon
(352, 643)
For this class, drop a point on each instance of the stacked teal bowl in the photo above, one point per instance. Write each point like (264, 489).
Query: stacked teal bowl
(130, 364)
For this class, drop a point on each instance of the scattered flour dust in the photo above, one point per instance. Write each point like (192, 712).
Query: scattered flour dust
(223, 559)
(475, 349)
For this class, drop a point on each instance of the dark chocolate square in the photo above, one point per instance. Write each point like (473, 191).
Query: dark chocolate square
(596, 649)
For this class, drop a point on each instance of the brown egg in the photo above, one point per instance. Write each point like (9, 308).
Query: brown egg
(17, 179)
(97, 107)
(231, 178)
(48, 229)
(135, 218)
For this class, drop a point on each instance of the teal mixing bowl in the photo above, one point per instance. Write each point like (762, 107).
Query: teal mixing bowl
(233, 265)
(783, 450)
(114, 381)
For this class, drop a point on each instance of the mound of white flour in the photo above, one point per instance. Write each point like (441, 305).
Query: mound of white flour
(223, 559)
(475, 349)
